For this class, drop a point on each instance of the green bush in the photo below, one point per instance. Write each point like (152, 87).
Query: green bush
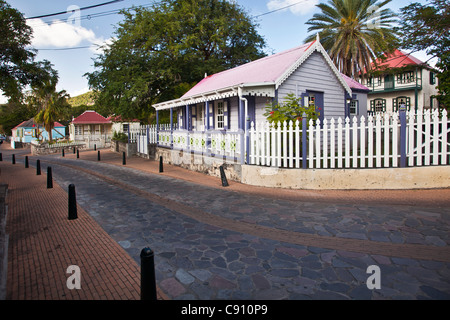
(291, 110)
(120, 136)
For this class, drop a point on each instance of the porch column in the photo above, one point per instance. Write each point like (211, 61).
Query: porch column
(171, 128)
(207, 115)
(241, 125)
(157, 126)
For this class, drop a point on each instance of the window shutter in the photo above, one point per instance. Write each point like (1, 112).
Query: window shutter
(211, 115)
(225, 115)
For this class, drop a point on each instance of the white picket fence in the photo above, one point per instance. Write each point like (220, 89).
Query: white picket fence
(372, 142)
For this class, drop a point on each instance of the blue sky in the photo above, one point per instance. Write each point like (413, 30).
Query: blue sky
(282, 29)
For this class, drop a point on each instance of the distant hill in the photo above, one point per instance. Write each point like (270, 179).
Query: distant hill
(82, 99)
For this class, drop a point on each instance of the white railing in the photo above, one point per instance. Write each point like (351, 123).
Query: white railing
(372, 142)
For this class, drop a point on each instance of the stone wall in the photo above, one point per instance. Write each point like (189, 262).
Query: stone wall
(44, 149)
(199, 163)
(130, 149)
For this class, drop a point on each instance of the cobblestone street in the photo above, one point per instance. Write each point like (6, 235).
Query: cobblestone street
(242, 242)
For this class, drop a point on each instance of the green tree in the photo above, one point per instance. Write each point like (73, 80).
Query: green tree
(52, 105)
(427, 27)
(354, 32)
(161, 52)
(17, 66)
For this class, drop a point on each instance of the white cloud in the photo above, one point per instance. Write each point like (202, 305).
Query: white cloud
(297, 7)
(60, 34)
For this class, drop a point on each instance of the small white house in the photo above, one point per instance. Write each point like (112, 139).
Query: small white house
(119, 124)
(91, 128)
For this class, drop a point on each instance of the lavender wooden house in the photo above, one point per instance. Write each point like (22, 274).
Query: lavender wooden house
(227, 102)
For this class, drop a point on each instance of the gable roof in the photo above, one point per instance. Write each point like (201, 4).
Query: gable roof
(32, 124)
(262, 76)
(90, 117)
(353, 84)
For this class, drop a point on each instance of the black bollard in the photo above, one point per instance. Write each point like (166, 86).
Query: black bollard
(98, 155)
(26, 162)
(49, 178)
(124, 158)
(1, 156)
(95, 147)
(161, 164)
(223, 177)
(78, 154)
(13, 159)
(73, 150)
(148, 280)
(62, 152)
(38, 167)
(72, 203)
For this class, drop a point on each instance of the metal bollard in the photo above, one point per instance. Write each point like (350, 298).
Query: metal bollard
(73, 150)
(38, 167)
(161, 164)
(148, 279)
(124, 158)
(78, 154)
(1, 156)
(26, 162)
(62, 152)
(223, 177)
(98, 155)
(95, 147)
(72, 203)
(13, 160)
(49, 178)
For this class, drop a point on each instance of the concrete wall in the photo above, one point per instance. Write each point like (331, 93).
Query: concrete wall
(348, 179)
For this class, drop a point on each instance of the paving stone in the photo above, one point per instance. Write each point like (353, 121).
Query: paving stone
(202, 275)
(184, 277)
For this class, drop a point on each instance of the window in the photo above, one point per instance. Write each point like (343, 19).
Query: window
(353, 107)
(378, 105)
(432, 77)
(401, 101)
(78, 131)
(125, 127)
(406, 77)
(220, 116)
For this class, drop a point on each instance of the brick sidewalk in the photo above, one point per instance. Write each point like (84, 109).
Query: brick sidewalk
(43, 243)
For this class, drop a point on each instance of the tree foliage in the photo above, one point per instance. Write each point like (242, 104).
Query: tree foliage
(161, 52)
(52, 105)
(354, 32)
(427, 27)
(17, 66)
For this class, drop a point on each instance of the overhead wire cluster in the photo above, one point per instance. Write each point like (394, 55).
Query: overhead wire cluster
(113, 12)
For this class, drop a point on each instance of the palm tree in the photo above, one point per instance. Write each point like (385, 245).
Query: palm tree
(50, 105)
(354, 33)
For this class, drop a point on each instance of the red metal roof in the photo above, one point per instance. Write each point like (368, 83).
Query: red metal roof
(90, 117)
(397, 59)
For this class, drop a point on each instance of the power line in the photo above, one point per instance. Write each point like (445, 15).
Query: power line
(64, 12)
(279, 9)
